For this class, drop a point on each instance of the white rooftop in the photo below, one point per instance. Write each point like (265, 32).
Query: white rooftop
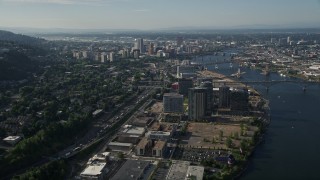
(134, 130)
(93, 169)
(120, 144)
(12, 138)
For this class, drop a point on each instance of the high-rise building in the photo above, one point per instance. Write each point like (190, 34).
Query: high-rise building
(184, 86)
(141, 45)
(224, 97)
(151, 49)
(209, 96)
(197, 103)
(112, 57)
(239, 100)
(103, 57)
(172, 103)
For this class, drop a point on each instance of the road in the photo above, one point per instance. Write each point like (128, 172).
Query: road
(99, 131)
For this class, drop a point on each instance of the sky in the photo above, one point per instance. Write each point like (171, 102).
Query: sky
(159, 14)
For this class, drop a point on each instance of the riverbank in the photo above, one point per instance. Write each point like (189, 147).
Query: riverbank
(261, 122)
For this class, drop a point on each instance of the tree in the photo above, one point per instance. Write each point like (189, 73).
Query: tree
(236, 135)
(120, 155)
(229, 142)
(220, 135)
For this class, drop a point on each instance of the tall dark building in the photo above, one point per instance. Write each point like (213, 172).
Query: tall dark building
(224, 97)
(239, 100)
(184, 85)
(141, 46)
(197, 103)
(209, 96)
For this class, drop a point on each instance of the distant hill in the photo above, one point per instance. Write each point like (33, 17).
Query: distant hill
(19, 38)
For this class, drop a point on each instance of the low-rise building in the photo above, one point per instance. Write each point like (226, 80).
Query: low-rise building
(12, 139)
(178, 170)
(159, 149)
(117, 146)
(132, 169)
(96, 170)
(143, 146)
(195, 173)
(158, 135)
(133, 130)
(128, 138)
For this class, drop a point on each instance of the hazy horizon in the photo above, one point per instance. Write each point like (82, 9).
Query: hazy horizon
(149, 15)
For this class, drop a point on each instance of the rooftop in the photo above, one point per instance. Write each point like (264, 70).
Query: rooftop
(159, 145)
(173, 95)
(143, 143)
(120, 144)
(134, 130)
(178, 170)
(93, 169)
(131, 168)
(195, 173)
(12, 138)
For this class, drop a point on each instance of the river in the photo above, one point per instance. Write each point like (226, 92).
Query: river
(291, 149)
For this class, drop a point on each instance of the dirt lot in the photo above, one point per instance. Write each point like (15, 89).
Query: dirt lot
(157, 108)
(201, 135)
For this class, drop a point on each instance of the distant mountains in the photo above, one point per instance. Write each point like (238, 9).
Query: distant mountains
(19, 38)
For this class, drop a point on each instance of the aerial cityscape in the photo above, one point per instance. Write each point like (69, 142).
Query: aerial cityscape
(177, 90)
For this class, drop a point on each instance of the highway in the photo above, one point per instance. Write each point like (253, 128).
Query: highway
(103, 128)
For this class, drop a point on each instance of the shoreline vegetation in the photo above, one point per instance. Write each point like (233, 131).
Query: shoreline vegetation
(261, 123)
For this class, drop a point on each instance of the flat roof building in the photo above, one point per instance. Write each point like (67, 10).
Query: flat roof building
(195, 173)
(158, 135)
(95, 170)
(131, 169)
(117, 146)
(133, 130)
(178, 170)
(12, 139)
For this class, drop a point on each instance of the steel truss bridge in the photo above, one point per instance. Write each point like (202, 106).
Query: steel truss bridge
(268, 83)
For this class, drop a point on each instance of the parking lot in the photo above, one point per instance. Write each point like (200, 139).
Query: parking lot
(197, 155)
